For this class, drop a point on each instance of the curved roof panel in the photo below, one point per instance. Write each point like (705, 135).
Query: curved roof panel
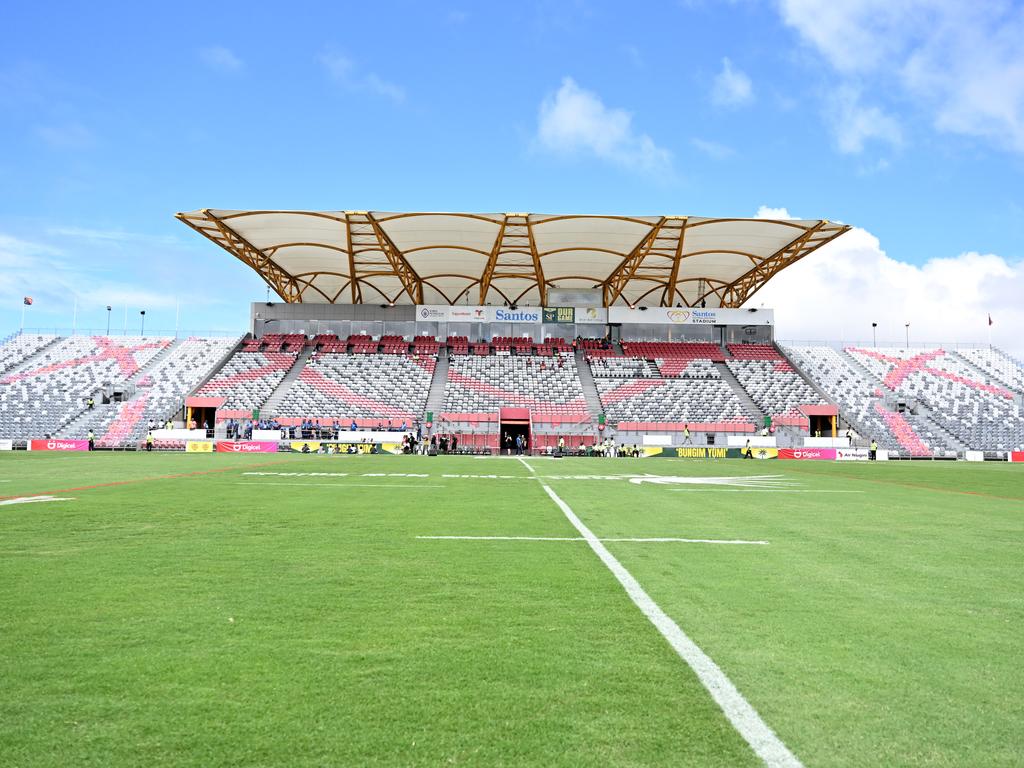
(492, 258)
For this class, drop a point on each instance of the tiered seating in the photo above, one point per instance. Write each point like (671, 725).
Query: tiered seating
(362, 344)
(18, 348)
(425, 345)
(857, 395)
(679, 350)
(542, 384)
(282, 342)
(40, 399)
(772, 383)
(678, 368)
(458, 345)
(671, 400)
(160, 392)
(249, 378)
(979, 414)
(754, 352)
(622, 368)
(361, 385)
(1001, 368)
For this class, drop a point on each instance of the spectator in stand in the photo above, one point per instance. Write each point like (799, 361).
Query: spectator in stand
(89, 403)
(354, 426)
(380, 426)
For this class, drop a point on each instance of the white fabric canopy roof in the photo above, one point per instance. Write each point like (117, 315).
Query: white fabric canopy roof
(495, 258)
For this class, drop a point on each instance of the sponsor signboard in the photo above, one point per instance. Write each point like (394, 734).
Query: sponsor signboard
(198, 446)
(851, 454)
(559, 315)
(245, 446)
(808, 454)
(758, 451)
(696, 452)
(467, 314)
(691, 316)
(591, 315)
(6, 445)
(1017, 456)
(58, 445)
(506, 315)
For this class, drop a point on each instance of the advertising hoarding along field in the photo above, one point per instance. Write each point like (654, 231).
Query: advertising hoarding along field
(808, 454)
(245, 446)
(198, 446)
(58, 445)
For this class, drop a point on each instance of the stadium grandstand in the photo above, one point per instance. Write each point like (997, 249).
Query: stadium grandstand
(487, 328)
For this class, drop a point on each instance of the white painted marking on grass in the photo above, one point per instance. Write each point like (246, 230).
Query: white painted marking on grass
(737, 709)
(648, 540)
(342, 485)
(32, 500)
(755, 490)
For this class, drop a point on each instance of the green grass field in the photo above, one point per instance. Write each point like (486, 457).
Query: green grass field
(181, 610)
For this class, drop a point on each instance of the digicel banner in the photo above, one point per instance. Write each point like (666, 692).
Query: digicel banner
(1017, 456)
(245, 446)
(819, 454)
(58, 445)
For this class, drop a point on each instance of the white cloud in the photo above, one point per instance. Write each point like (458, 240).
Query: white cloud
(56, 280)
(344, 71)
(961, 60)
(713, 148)
(731, 87)
(765, 212)
(835, 294)
(574, 121)
(219, 58)
(854, 123)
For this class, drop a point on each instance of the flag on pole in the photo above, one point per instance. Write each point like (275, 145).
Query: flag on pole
(990, 318)
(28, 301)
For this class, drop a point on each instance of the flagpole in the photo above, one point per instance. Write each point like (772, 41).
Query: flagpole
(23, 305)
(177, 312)
(124, 331)
(74, 319)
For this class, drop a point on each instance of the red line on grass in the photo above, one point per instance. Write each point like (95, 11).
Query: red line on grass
(146, 479)
(915, 486)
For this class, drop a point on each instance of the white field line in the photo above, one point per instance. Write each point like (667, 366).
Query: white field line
(755, 490)
(661, 539)
(341, 485)
(737, 709)
(32, 500)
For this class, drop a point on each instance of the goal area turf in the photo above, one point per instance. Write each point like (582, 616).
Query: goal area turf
(301, 610)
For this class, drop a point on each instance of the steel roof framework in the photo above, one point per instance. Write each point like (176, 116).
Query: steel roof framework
(511, 258)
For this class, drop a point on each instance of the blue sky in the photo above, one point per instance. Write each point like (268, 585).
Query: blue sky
(904, 118)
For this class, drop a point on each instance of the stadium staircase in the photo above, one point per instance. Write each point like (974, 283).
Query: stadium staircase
(756, 414)
(435, 396)
(807, 379)
(589, 387)
(931, 426)
(220, 364)
(123, 413)
(274, 401)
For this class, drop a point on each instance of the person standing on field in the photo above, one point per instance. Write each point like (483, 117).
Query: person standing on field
(92, 440)
(873, 450)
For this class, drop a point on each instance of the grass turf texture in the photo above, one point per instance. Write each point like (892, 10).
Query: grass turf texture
(191, 614)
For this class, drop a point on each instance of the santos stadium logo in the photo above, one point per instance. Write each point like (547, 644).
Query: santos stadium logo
(678, 315)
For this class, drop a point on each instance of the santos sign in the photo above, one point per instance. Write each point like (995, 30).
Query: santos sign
(691, 316)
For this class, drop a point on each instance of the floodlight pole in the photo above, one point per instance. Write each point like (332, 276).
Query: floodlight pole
(907, 327)
(142, 329)
(108, 319)
(874, 335)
